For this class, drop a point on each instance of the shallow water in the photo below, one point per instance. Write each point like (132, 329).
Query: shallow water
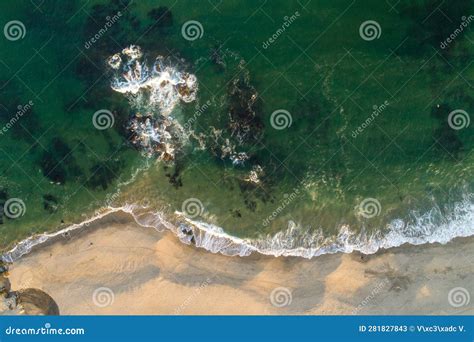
(306, 131)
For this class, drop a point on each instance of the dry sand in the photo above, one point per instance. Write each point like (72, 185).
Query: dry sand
(136, 270)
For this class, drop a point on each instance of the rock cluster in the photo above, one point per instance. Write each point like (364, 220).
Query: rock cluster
(25, 301)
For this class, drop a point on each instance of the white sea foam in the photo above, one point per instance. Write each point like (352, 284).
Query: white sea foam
(293, 241)
(160, 87)
(25, 246)
(153, 90)
(157, 88)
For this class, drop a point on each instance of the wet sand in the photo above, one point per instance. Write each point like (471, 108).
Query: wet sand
(115, 266)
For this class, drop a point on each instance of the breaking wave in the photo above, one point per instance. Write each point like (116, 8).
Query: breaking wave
(154, 90)
(293, 241)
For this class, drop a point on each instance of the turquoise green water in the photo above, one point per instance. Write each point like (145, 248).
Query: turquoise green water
(339, 152)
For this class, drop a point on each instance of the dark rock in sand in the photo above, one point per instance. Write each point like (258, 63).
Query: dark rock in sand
(36, 302)
(3, 268)
(5, 285)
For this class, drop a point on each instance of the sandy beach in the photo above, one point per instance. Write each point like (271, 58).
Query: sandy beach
(115, 266)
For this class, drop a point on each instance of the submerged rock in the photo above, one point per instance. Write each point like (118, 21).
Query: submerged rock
(244, 110)
(50, 203)
(162, 16)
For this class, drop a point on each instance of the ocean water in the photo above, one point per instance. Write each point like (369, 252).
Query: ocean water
(286, 128)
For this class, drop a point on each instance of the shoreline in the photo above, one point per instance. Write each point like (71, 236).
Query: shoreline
(33, 242)
(151, 272)
(215, 240)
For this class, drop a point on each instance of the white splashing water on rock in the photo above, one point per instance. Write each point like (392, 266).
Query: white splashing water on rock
(154, 90)
(157, 87)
